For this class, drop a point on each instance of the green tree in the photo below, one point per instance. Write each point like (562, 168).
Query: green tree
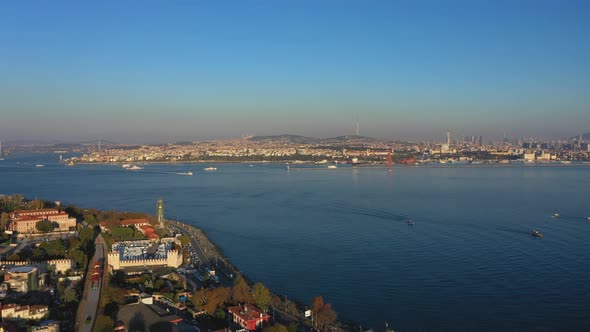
(240, 292)
(103, 324)
(86, 234)
(276, 328)
(292, 327)
(44, 226)
(90, 219)
(4, 220)
(323, 313)
(69, 295)
(54, 248)
(184, 240)
(211, 299)
(38, 254)
(261, 296)
(37, 204)
(79, 258)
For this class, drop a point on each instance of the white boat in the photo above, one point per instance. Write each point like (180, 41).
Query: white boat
(126, 166)
(189, 173)
(39, 165)
(556, 215)
(332, 166)
(210, 169)
(135, 168)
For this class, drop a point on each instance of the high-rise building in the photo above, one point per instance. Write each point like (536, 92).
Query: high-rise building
(160, 212)
(480, 140)
(449, 138)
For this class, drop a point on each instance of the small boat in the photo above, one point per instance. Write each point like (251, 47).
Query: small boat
(588, 218)
(556, 215)
(332, 166)
(126, 166)
(135, 168)
(39, 165)
(410, 222)
(189, 173)
(536, 233)
(210, 169)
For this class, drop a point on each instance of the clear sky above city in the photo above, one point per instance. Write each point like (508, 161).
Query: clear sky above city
(143, 71)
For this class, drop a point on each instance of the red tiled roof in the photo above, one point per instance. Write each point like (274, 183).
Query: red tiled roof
(247, 312)
(35, 211)
(129, 222)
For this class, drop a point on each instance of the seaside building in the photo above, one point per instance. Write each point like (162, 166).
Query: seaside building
(25, 221)
(139, 254)
(248, 316)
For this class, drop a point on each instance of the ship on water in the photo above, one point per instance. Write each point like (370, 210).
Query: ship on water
(210, 169)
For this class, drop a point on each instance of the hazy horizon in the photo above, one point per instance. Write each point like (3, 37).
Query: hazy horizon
(161, 72)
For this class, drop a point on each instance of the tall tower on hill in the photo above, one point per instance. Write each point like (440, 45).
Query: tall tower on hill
(160, 212)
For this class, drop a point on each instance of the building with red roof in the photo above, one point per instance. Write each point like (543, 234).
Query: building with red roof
(248, 316)
(134, 222)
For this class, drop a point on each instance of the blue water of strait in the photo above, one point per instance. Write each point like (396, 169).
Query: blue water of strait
(468, 264)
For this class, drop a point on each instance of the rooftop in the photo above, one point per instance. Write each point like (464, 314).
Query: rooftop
(22, 269)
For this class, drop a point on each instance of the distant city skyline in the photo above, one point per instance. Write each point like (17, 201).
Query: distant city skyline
(162, 72)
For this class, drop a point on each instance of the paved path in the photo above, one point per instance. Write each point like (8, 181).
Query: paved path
(90, 299)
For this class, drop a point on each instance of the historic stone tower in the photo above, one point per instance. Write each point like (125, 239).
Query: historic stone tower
(160, 212)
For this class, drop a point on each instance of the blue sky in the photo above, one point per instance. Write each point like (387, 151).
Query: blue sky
(134, 71)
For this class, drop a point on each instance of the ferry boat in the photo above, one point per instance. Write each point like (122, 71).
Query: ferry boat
(536, 233)
(210, 169)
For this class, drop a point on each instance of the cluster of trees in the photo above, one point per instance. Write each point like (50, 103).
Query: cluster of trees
(112, 218)
(79, 249)
(121, 233)
(213, 301)
(281, 328)
(323, 314)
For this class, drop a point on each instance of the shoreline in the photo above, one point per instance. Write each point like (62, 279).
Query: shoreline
(225, 266)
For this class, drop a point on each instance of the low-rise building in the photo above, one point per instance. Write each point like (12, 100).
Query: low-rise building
(248, 316)
(46, 326)
(16, 311)
(22, 279)
(25, 221)
(143, 253)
